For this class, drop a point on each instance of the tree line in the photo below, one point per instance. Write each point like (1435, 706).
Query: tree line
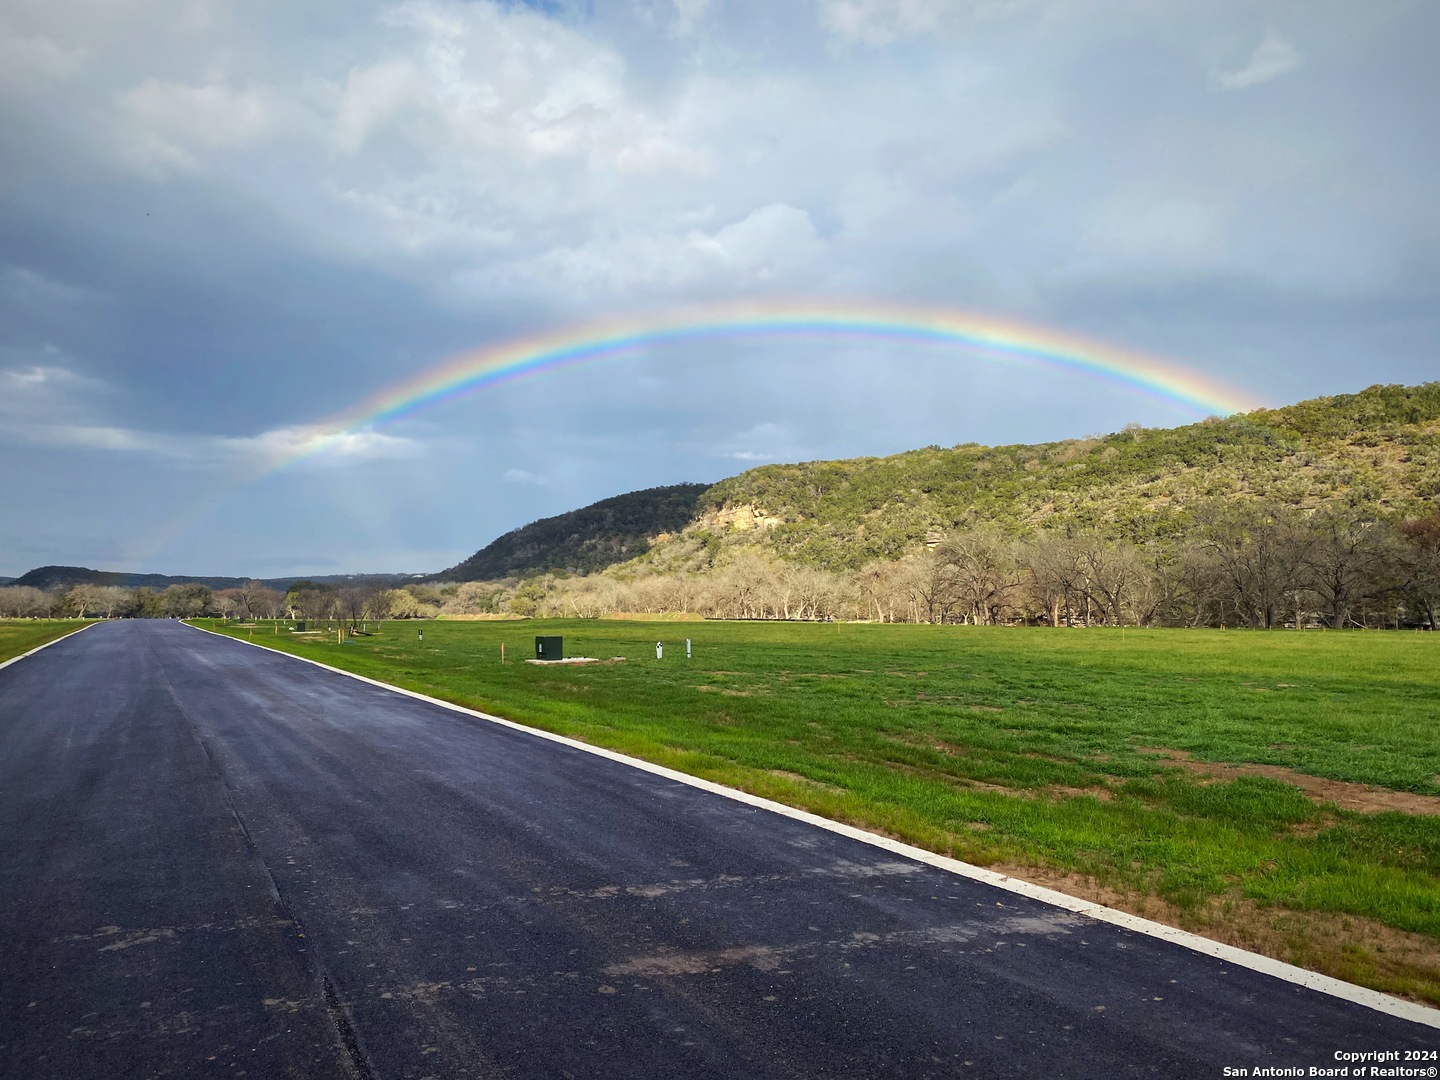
(1261, 565)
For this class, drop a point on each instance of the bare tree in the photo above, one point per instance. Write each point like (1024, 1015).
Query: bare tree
(1055, 577)
(743, 588)
(25, 602)
(266, 603)
(1353, 559)
(256, 601)
(309, 601)
(352, 603)
(84, 600)
(1422, 561)
(937, 585)
(817, 594)
(984, 572)
(887, 589)
(1260, 552)
(1115, 577)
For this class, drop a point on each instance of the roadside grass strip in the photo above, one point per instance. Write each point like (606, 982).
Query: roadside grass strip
(1274, 792)
(20, 638)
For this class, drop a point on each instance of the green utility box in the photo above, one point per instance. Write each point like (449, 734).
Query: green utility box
(299, 624)
(549, 648)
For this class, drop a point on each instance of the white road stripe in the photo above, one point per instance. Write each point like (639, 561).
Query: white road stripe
(1324, 984)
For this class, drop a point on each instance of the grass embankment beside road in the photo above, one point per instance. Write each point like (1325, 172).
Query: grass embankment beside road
(21, 635)
(1280, 791)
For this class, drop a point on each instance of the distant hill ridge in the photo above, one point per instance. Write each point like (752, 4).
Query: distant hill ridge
(61, 577)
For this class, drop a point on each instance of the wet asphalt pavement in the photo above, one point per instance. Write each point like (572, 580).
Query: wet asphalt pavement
(217, 861)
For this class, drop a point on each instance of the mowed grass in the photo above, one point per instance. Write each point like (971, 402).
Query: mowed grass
(21, 635)
(1035, 750)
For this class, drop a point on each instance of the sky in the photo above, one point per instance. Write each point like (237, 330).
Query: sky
(223, 224)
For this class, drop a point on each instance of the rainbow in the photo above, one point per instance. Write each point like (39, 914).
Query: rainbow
(592, 342)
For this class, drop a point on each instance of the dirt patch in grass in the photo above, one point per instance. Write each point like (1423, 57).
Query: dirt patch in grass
(927, 741)
(1344, 946)
(1047, 791)
(1312, 828)
(728, 692)
(1361, 798)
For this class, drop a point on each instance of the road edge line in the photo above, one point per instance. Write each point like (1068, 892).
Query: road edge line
(55, 641)
(1266, 965)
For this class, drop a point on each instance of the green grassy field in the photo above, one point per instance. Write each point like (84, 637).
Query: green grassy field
(1038, 751)
(21, 635)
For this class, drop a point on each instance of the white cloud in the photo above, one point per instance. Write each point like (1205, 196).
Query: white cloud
(26, 430)
(487, 132)
(880, 22)
(689, 14)
(42, 390)
(97, 437)
(313, 446)
(765, 441)
(772, 244)
(521, 476)
(373, 96)
(27, 59)
(768, 241)
(320, 445)
(1272, 58)
(38, 375)
(167, 125)
(46, 41)
(745, 455)
(478, 80)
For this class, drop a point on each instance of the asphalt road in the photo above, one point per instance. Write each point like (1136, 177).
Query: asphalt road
(217, 861)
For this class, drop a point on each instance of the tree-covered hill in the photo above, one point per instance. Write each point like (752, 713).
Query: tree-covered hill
(591, 538)
(1379, 448)
(63, 577)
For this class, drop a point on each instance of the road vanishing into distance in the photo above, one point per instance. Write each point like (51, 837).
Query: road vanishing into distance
(216, 860)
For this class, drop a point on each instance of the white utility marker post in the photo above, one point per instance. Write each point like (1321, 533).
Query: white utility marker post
(659, 650)
(687, 648)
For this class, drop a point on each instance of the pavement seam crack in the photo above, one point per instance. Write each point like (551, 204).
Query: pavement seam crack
(346, 1033)
(345, 1028)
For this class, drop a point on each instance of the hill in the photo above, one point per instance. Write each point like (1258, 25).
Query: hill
(596, 536)
(63, 577)
(1379, 448)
